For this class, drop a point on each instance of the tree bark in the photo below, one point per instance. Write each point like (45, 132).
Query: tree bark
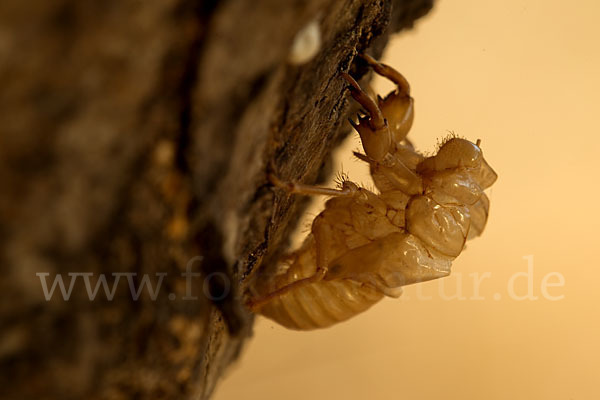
(135, 139)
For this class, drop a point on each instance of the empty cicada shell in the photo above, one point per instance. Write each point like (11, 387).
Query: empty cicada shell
(367, 245)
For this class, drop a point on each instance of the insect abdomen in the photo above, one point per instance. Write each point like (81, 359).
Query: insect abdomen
(321, 304)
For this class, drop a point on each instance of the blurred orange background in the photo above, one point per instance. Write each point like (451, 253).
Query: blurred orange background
(524, 77)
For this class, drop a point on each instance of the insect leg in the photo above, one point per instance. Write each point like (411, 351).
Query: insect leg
(396, 173)
(348, 188)
(390, 73)
(377, 121)
(373, 130)
(397, 107)
(258, 302)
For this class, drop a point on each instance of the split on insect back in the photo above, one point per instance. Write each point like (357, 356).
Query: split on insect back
(366, 245)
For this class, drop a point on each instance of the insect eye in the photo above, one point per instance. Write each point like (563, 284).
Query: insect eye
(453, 154)
(486, 176)
(460, 152)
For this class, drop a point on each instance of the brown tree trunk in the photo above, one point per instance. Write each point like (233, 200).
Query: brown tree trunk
(135, 137)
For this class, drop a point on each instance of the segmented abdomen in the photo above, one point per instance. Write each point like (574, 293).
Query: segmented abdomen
(319, 304)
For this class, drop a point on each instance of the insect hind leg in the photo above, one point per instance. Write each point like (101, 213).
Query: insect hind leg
(256, 303)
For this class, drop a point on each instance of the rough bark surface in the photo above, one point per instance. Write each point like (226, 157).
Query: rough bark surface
(134, 138)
